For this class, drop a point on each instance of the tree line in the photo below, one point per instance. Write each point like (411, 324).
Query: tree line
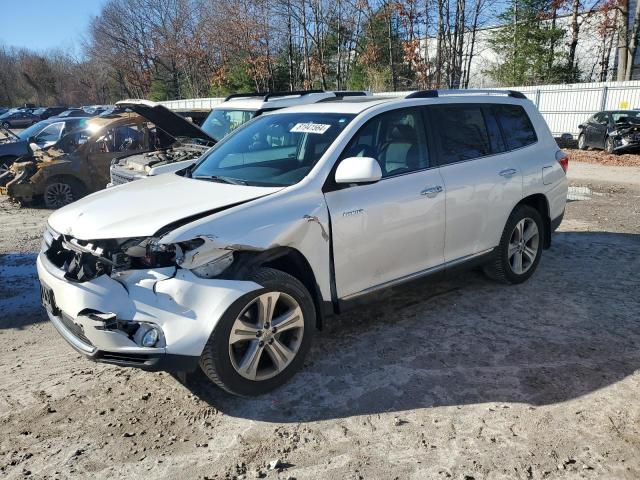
(170, 49)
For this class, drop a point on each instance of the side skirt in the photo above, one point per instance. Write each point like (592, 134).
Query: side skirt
(370, 295)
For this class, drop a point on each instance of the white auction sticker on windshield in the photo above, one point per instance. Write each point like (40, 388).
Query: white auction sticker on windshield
(319, 128)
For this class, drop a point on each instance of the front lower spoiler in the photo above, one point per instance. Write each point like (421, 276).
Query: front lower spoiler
(184, 307)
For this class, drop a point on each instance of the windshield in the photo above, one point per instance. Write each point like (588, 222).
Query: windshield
(272, 150)
(219, 123)
(626, 116)
(33, 130)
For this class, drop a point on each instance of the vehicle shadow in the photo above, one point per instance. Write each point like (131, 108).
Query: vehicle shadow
(573, 328)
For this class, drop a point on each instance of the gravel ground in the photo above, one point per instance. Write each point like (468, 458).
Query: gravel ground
(458, 378)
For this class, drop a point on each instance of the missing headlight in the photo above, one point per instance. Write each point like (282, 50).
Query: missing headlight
(215, 267)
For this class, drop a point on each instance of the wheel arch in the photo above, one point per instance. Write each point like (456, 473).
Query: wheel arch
(541, 204)
(288, 260)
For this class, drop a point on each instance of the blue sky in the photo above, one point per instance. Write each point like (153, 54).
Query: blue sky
(45, 24)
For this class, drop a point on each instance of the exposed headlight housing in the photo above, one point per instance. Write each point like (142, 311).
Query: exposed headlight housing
(214, 267)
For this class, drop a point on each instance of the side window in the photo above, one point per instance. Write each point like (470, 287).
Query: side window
(396, 139)
(51, 133)
(516, 126)
(462, 132)
(495, 135)
(121, 139)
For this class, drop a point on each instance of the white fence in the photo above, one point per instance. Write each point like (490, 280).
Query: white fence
(563, 107)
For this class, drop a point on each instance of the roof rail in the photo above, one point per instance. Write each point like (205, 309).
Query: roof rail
(350, 93)
(270, 95)
(244, 95)
(470, 91)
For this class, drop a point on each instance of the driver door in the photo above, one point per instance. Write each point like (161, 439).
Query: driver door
(117, 142)
(395, 227)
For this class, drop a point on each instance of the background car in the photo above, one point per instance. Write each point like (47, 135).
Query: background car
(613, 130)
(18, 119)
(46, 112)
(79, 162)
(41, 135)
(73, 112)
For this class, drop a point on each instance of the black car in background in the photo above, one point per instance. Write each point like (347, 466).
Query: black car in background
(41, 135)
(73, 112)
(18, 119)
(615, 131)
(46, 112)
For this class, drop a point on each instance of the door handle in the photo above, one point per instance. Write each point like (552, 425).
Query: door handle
(508, 172)
(431, 191)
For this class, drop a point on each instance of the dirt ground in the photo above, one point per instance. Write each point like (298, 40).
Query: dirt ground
(603, 158)
(459, 378)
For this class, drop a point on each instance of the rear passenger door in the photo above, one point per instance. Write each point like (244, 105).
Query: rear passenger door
(481, 173)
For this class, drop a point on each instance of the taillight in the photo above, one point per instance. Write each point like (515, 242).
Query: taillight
(563, 160)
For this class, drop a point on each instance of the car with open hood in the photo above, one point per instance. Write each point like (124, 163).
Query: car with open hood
(183, 142)
(224, 118)
(615, 131)
(230, 265)
(78, 164)
(40, 135)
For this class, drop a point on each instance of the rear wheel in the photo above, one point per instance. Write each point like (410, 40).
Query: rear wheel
(61, 191)
(582, 142)
(262, 339)
(520, 248)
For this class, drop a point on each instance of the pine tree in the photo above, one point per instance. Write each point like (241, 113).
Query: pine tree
(528, 44)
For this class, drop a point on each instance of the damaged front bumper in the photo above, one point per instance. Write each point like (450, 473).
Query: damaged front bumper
(100, 317)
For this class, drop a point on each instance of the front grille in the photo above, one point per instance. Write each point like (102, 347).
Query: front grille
(118, 178)
(74, 329)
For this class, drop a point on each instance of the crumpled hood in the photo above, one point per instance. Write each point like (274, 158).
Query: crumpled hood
(141, 208)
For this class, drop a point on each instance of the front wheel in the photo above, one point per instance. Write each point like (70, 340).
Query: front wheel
(6, 125)
(609, 145)
(520, 248)
(62, 191)
(262, 339)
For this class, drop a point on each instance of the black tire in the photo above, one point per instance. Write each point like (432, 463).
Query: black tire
(215, 360)
(582, 142)
(500, 268)
(62, 190)
(609, 145)
(6, 125)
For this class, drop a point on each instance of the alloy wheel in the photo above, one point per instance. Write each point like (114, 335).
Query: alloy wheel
(523, 246)
(58, 195)
(266, 336)
(4, 168)
(581, 142)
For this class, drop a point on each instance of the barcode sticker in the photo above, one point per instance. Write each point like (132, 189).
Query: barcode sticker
(318, 128)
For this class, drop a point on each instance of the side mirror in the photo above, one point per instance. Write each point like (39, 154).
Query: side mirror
(358, 170)
(581, 126)
(32, 139)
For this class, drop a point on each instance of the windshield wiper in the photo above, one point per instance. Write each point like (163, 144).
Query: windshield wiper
(220, 179)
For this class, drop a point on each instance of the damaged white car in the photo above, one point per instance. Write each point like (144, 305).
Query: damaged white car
(234, 262)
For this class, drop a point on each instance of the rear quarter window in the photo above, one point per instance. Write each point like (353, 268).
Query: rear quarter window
(516, 126)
